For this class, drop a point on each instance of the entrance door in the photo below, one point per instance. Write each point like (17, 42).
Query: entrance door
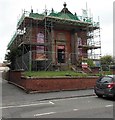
(61, 54)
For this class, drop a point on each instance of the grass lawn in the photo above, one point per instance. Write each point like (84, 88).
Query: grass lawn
(61, 73)
(52, 73)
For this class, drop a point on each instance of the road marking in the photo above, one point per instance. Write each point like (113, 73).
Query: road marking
(108, 105)
(44, 114)
(75, 109)
(34, 104)
(51, 102)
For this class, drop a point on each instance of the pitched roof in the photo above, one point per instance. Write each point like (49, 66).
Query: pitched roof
(65, 13)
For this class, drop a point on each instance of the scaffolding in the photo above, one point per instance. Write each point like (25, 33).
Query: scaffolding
(36, 41)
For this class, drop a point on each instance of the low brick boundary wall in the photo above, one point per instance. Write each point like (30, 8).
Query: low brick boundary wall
(30, 84)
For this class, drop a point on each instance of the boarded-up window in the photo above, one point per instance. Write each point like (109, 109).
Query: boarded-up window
(40, 48)
(40, 38)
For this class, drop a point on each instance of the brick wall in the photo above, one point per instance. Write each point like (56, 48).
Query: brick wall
(51, 84)
(15, 78)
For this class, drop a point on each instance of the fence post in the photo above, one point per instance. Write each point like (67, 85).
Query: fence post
(30, 60)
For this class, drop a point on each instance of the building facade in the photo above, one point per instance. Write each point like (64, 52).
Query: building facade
(51, 41)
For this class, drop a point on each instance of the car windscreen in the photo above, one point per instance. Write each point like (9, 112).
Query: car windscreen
(105, 80)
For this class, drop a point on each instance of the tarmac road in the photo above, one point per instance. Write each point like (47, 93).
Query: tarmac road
(78, 107)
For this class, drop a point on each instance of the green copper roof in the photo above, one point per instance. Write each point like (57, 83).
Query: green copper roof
(64, 15)
(36, 15)
(13, 38)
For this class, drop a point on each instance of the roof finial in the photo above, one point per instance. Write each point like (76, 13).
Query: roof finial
(45, 10)
(64, 4)
(52, 10)
(31, 10)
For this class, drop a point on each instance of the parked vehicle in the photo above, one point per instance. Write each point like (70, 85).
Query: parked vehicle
(105, 86)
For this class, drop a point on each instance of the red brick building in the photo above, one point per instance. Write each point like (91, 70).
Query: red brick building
(53, 40)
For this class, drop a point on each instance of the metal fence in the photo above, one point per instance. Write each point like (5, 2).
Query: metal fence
(32, 61)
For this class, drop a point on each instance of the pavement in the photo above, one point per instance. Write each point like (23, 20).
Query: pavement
(13, 95)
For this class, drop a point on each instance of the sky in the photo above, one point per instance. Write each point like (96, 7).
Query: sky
(11, 11)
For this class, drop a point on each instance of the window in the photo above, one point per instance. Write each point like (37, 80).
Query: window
(106, 80)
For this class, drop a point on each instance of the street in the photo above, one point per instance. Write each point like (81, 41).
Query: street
(64, 104)
(82, 107)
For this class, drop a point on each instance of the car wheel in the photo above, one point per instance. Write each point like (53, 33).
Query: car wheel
(114, 97)
(99, 95)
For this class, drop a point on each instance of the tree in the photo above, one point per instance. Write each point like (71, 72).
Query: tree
(106, 61)
(12, 55)
(90, 63)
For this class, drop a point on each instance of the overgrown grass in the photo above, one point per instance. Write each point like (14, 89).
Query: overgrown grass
(61, 73)
(52, 73)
